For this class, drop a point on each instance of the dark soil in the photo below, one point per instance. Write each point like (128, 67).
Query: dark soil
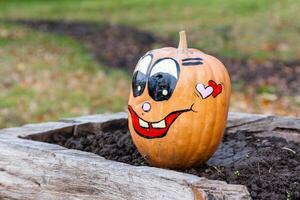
(121, 46)
(269, 167)
(277, 77)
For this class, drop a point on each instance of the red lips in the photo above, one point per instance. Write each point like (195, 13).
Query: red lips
(151, 129)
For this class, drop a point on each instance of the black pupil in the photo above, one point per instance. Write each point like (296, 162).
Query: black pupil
(138, 83)
(161, 86)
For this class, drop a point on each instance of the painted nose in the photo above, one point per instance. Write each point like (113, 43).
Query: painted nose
(146, 107)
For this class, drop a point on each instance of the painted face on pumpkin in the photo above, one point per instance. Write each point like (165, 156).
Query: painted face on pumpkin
(178, 105)
(155, 79)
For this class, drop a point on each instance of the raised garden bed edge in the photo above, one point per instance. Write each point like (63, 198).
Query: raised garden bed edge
(37, 170)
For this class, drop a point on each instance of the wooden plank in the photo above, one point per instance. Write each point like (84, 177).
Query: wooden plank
(89, 122)
(35, 170)
(32, 129)
(265, 125)
(262, 125)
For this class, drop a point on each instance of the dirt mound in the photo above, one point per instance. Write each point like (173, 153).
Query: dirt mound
(269, 167)
(278, 76)
(114, 45)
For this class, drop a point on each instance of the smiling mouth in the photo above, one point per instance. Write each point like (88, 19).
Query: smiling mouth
(153, 129)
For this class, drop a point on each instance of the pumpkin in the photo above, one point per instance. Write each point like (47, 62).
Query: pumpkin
(178, 106)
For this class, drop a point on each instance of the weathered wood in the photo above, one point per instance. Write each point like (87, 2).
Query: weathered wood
(265, 125)
(36, 170)
(87, 122)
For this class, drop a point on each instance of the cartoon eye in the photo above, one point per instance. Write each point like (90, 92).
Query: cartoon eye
(163, 78)
(139, 75)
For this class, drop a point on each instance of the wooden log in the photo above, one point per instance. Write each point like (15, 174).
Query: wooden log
(37, 170)
(265, 125)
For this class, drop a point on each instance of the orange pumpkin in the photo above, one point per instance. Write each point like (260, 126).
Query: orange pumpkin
(178, 106)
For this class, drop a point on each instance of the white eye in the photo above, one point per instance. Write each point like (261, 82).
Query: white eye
(143, 64)
(165, 92)
(139, 88)
(166, 65)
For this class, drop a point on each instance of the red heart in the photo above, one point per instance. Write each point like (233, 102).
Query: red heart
(217, 88)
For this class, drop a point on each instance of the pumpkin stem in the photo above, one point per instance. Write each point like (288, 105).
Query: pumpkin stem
(182, 46)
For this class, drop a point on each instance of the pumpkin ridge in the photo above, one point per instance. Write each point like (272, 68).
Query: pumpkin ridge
(217, 134)
(206, 130)
(221, 100)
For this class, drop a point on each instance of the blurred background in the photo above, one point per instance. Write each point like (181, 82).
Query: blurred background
(64, 58)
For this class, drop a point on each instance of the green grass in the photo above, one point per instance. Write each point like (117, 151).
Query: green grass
(257, 29)
(47, 77)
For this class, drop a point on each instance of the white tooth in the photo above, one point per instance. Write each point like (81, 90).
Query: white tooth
(161, 124)
(143, 123)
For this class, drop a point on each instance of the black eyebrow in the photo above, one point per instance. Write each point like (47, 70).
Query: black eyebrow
(192, 63)
(188, 59)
